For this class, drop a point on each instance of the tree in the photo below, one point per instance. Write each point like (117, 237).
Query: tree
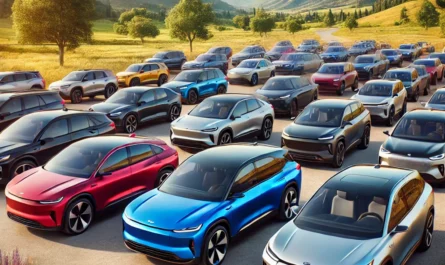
(360, 13)
(65, 23)
(242, 21)
(189, 19)
(293, 24)
(442, 23)
(441, 3)
(262, 23)
(366, 12)
(404, 18)
(141, 27)
(329, 20)
(428, 16)
(351, 23)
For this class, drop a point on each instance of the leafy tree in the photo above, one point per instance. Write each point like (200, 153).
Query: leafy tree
(355, 14)
(262, 23)
(441, 3)
(366, 12)
(329, 20)
(428, 16)
(120, 29)
(189, 19)
(360, 13)
(65, 23)
(442, 23)
(141, 27)
(242, 21)
(404, 18)
(293, 24)
(351, 23)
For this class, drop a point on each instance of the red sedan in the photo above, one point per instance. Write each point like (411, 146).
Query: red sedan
(434, 67)
(336, 77)
(86, 177)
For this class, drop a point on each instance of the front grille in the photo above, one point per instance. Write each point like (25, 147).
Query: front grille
(305, 146)
(305, 157)
(25, 221)
(156, 253)
(190, 143)
(323, 83)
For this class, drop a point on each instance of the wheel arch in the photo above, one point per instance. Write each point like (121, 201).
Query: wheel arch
(20, 159)
(229, 129)
(83, 195)
(293, 184)
(75, 88)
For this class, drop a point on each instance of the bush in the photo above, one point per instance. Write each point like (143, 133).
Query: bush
(14, 259)
(220, 28)
(120, 29)
(397, 23)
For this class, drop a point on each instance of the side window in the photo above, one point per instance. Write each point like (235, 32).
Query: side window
(12, 106)
(412, 191)
(211, 75)
(154, 67)
(89, 76)
(140, 152)
(117, 160)
(203, 76)
(398, 211)
(355, 107)
(296, 83)
(30, 76)
(56, 129)
(252, 104)
(79, 123)
(160, 93)
(100, 75)
(148, 96)
(304, 81)
(267, 167)
(240, 109)
(20, 77)
(307, 57)
(146, 68)
(245, 180)
(31, 102)
(8, 79)
(263, 64)
(50, 98)
(347, 116)
(158, 150)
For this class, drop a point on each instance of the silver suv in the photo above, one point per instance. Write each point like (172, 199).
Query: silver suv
(86, 83)
(21, 81)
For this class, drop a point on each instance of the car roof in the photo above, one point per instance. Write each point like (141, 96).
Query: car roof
(112, 141)
(337, 64)
(401, 70)
(139, 89)
(232, 97)
(432, 114)
(335, 103)
(53, 114)
(7, 95)
(384, 81)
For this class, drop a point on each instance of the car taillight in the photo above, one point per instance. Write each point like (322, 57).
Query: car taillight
(271, 106)
(113, 125)
(44, 83)
(298, 166)
(62, 102)
(227, 78)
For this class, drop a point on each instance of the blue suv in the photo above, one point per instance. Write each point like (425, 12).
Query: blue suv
(210, 198)
(195, 84)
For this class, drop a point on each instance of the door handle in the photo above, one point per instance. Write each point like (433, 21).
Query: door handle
(229, 207)
(93, 131)
(93, 185)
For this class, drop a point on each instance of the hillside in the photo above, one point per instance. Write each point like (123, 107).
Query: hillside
(297, 5)
(127, 4)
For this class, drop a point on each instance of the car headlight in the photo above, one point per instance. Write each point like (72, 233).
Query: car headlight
(437, 157)
(52, 202)
(283, 97)
(383, 150)
(326, 138)
(115, 114)
(210, 129)
(189, 230)
(65, 87)
(336, 79)
(4, 158)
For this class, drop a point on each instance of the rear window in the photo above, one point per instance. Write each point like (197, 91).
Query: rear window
(99, 75)
(51, 98)
(20, 77)
(99, 119)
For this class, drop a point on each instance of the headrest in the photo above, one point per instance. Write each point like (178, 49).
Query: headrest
(342, 194)
(380, 200)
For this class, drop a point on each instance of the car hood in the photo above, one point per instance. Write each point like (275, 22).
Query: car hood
(309, 132)
(325, 77)
(291, 244)
(123, 74)
(239, 70)
(109, 107)
(414, 148)
(271, 94)
(60, 83)
(435, 106)
(196, 123)
(149, 209)
(281, 62)
(6, 147)
(38, 184)
(370, 99)
(241, 55)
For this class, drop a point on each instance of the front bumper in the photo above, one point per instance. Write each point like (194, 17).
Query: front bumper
(193, 139)
(288, 71)
(376, 111)
(363, 74)
(328, 86)
(239, 78)
(281, 106)
(308, 150)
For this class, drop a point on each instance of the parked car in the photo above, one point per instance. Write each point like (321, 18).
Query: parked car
(426, 47)
(85, 178)
(251, 71)
(21, 81)
(227, 51)
(33, 139)
(437, 101)
(276, 52)
(311, 46)
(425, 78)
(326, 130)
(370, 66)
(410, 51)
(434, 67)
(394, 56)
(172, 59)
(373, 42)
(336, 77)
(253, 181)
(284, 43)
(384, 99)
(417, 143)
(385, 46)
(359, 214)
(15, 105)
(86, 83)
(136, 105)
(297, 63)
(195, 84)
(223, 119)
(288, 94)
(370, 46)
(358, 49)
(410, 79)
(208, 60)
(335, 54)
(440, 56)
(249, 52)
(144, 73)
(334, 43)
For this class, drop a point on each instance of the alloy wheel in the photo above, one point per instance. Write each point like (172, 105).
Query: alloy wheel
(174, 113)
(340, 153)
(221, 90)
(164, 177)
(367, 136)
(193, 97)
(291, 199)
(80, 217)
(131, 124)
(267, 129)
(226, 138)
(22, 168)
(110, 91)
(77, 96)
(217, 247)
(429, 231)
(254, 80)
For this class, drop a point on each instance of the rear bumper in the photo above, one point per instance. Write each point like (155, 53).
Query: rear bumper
(284, 71)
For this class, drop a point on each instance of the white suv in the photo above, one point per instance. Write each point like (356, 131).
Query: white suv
(21, 81)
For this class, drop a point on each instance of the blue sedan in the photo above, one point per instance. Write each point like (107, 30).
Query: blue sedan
(394, 57)
(335, 54)
(210, 198)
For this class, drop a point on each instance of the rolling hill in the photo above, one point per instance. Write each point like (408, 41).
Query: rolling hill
(297, 5)
(128, 4)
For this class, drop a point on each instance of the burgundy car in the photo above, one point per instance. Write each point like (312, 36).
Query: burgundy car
(336, 77)
(434, 67)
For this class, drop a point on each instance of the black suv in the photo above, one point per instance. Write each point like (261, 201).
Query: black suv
(173, 59)
(35, 138)
(15, 105)
(208, 60)
(250, 52)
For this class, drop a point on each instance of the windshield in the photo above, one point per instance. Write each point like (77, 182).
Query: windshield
(331, 69)
(429, 63)
(438, 55)
(216, 50)
(437, 98)
(204, 58)
(358, 46)
(247, 64)
(334, 49)
(402, 76)
(160, 55)
(199, 180)
(406, 47)
(246, 50)
(306, 42)
(74, 76)
(377, 90)
(280, 49)
(420, 129)
(292, 57)
(279, 84)
(390, 53)
(124, 97)
(364, 60)
(134, 68)
(188, 76)
(24, 130)
(213, 109)
(77, 160)
(352, 213)
(320, 116)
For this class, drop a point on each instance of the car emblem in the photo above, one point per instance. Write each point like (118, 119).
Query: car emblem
(150, 222)
(409, 154)
(306, 263)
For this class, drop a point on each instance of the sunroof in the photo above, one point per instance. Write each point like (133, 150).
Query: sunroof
(365, 180)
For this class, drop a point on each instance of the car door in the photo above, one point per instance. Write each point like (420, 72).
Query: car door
(54, 138)
(348, 75)
(145, 74)
(358, 124)
(203, 86)
(154, 72)
(144, 167)
(101, 81)
(240, 119)
(317, 61)
(256, 115)
(263, 71)
(147, 109)
(308, 63)
(31, 104)
(170, 60)
(80, 128)
(10, 111)
(305, 91)
(89, 83)
(212, 81)
(162, 102)
(424, 79)
(349, 130)
(21, 82)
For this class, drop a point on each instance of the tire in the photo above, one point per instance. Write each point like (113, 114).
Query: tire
(341, 90)
(192, 97)
(130, 123)
(225, 138)
(162, 79)
(78, 216)
(293, 109)
(162, 176)
(339, 156)
(288, 199)
(404, 108)
(390, 119)
(434, 81)
(266, 129)
(174, 113)
(110, 89)
(135, 82)
(415, 96)
(427, 236)
(364, 143)
(254, 80)
(221, 89)
(21, 167)
(355, 85)
(76, 96)
(215, 246)
(426, 91)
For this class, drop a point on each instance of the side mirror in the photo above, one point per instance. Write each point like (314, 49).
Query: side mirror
(423, 104)
(46, 140)
(346, 123)
(142, 71)
(234, 117)
(140, 103)
(103, 174)
(258, 67)
(386, 133)
(400, 229)
(236, 196)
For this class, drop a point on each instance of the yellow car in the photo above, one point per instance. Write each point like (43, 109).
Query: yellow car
(143, 73)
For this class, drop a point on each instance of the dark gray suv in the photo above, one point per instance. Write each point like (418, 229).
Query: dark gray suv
(173, 59)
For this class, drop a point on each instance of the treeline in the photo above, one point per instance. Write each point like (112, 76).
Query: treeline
(381, 5)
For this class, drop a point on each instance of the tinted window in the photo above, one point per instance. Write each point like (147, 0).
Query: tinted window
(262, 64)
(307, 57)
(24, 129)
(7, 79)
(31, 102)
(30, 76)
(420, 129)
(117, 160)
(240, 109)
(100, 75)
(160, 93)
(89, 76)
(158, 150)
(148, 96)
(56, 129)
(267, 167)
(412, 191)
(146, 68)
(154, 67)
(213, 109)
(203, 76)
(140, 152)
(20, 77)
(79, 123)
(12, 106)
(376, 89)
(347, 116)
(252, 104)
(398, 210)
(50, 98)
(320, 116)
(245, 180)
(211, 75)
(98, 119)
